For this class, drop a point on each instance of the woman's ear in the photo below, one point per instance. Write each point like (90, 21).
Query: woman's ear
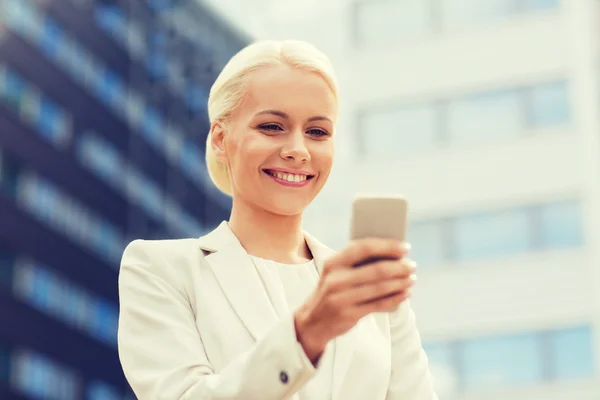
(217, 141)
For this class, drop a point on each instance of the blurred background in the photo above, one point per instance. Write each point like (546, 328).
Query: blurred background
(484, 113)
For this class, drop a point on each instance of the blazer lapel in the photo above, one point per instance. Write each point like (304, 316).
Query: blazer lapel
(343, 345)
(239, 280)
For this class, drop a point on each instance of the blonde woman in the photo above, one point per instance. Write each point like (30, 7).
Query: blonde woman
(257, 308)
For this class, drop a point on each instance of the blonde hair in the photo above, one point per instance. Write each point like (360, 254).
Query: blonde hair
(228, 91)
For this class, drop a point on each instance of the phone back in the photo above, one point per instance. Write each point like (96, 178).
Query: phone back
(379, 216)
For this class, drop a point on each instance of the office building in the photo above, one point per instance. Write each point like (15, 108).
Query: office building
(102, 129)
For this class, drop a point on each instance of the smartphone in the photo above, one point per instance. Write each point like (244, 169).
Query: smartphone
(381, 216)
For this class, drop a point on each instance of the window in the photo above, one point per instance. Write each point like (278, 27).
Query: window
(539, 5)
(38, 376)
(455, 13)
(102, 158)
(66, 215)
(52, 38)
(102, 391)
(60, 298)
(399, 131)
(494, 114)
(573, 353)
(561, 225)
(427, 240)
(109, 88)
(9, 176)
(549, 105)
(386, 21)
(492, 235)
(196, 98)
(152, 126)
(111, 18)
(502, 361)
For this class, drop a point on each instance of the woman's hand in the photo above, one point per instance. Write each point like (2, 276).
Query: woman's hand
(346, 293)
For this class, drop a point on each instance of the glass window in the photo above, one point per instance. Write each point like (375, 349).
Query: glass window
(455, 13)
(152, 128)
(52, 38)
(111, 18)
(427, 240)
(573, 353)
(157, 64)
(13, 89)
(197, 98)
(502, 361)
(561, 225)
(488, 115)
(492, 235)
(549, 105)
(39, 377)
(9, 176)
(102, 391)
(536, 5)
(102, 158)
(109, 88)
(387, 21)
(399, 131)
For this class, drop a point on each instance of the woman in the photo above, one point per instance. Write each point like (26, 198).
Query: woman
(257, 308)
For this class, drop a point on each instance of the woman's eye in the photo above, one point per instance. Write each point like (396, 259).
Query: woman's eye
(317, 132)
(271, 127)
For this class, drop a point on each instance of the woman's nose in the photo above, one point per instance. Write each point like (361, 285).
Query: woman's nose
(295, 149)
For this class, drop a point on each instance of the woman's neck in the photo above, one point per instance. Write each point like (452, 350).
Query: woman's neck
(267, 235)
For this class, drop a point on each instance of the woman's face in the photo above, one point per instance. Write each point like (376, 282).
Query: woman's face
(279, 143)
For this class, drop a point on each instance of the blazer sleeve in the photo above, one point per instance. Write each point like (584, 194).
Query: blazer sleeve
(162, 354)
(410, 378)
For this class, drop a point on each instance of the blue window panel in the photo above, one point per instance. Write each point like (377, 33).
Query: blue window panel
(538, 5)
(102, 391)
(41, 288)
(103, 321)
(191, 157)
(491, 235)
(14, 88)
(48, 115)
(160, 5)
(573, 353)
(157, 64)
(52, 38)
(492, 115)
(196, 98)
(502, 361)
(152, 128)
(561, 225)
(427, 240)
(110, 18)
(400, 131)
(109, 88)
(550, 105)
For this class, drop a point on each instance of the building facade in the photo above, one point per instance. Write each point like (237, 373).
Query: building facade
(485, 114)
(102, 129)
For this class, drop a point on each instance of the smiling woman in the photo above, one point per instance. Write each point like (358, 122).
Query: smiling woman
(258, 308)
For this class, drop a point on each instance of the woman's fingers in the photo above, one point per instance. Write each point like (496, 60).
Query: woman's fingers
(369, 248)
(375, 291)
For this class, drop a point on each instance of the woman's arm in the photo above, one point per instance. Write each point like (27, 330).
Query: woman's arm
(410, 378)
(163, 356)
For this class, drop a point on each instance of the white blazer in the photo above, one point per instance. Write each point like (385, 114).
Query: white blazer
(196, 323)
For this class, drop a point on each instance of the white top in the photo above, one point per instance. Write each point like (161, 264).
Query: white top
(297, 281)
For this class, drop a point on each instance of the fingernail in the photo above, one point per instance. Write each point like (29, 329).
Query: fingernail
(413, 278)
(413, 265)
(405, 246)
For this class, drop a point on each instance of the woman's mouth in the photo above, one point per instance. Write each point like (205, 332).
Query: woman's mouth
(289, 179)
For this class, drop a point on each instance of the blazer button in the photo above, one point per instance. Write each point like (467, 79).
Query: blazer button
(283, 377)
